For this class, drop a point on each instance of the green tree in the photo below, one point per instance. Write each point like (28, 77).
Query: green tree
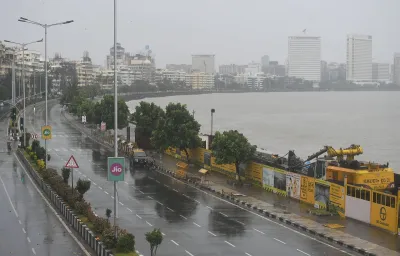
(154, 238)
(82, 186)
(146, 118)
(178, 129)
(105, 112)
(232, 147)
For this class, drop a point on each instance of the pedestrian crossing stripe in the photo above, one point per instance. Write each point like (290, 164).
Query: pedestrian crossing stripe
(66, 149)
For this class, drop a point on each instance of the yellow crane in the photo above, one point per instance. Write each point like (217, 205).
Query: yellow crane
(350, 152)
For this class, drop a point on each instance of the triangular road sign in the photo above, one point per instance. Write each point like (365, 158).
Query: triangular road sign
(72, 163)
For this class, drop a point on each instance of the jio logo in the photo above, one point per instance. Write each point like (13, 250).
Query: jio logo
(116, 169)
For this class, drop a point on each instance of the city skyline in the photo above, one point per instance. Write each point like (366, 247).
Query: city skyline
(174, 40)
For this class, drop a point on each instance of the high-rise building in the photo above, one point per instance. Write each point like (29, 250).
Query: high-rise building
(304, 60)
(381, 72)
(203, 63)
(396, 69)
(179, 67)
(84, 70)
(265, 63)
(359, 58)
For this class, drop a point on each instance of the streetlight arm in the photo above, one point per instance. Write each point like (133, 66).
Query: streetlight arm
(12, 42)
(37, 41)
(60, 23)
(31, 22)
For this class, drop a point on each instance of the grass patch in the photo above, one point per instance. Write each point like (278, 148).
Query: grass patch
(124, 254)
(86, 221)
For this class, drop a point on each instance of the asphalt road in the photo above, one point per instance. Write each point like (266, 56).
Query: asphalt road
(28, 226)
(193, 222)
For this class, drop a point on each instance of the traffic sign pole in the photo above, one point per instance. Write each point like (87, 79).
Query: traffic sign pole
(72, 164)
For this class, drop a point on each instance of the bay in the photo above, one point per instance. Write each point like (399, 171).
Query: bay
(303, 121)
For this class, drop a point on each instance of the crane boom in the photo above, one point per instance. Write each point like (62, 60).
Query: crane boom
(349, 152)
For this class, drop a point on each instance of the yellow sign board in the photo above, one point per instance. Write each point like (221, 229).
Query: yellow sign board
(46, 132)
(337, 198)
(307, 189)
(383, 216)
(375, 180)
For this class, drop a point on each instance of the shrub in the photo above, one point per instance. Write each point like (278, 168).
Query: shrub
(29, 149)
(35, 145)
(82, 186)
(40, 164)
(41, 153)
(65, 174)
(126, 243)
(81, 207)
(100, 224)
(108, 238)
(35, 158)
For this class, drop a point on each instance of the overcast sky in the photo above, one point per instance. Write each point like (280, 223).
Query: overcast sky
(236, 31)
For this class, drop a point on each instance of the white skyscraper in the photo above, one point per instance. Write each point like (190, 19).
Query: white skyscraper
(359, 58)
(304, 57)
(203, 63)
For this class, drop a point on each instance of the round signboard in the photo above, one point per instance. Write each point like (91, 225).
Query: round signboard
(116, 169)
(46, 132)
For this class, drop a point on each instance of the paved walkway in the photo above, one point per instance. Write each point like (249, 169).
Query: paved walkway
(360, 235)
(356, 233)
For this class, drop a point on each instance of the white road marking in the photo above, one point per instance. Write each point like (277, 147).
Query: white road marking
(149, 224)
(240, 222)
(223, 214)
(303, 252)
(112, 197)
(126, 183)
(157, 181)
(84, 175)
(177, 191)
(259, 231)
(8, 196)
(183, 217)
(27, 238)
(129, 209)
(189, 253)
(121, 203)
(265, 218)
(150, 197)
(166, 185)
(230, 244)
(53, 210)
(196, 224)
(138, 216)
(248, 254)
(94, 183)
(175, 242)
(159, 203)
(106, 192)
(90, 180)
(101, 188)
(212, 233)
(20, 222)
(141, 191)
(197, 201)
(276, 239)
(150, 178)
(170, 209)
(209, 208)
(24, 230)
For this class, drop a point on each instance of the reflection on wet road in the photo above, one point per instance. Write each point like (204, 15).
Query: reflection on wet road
(28, 226)
(193, 222)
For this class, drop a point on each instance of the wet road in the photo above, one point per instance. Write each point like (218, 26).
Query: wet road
(28, 226)
(193, 222)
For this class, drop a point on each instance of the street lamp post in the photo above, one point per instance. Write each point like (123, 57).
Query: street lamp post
(115, 113)
(45, 26)
(212, 120)
(23, 45)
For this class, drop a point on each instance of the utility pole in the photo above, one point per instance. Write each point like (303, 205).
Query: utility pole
(115, 115)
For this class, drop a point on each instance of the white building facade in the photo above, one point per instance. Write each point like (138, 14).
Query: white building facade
(359, 58)
(203, 63)
(304, 57)
(396, 69)
(381, 72)
(200, 81)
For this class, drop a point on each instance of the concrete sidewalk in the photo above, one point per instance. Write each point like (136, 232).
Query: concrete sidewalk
(355, 235)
